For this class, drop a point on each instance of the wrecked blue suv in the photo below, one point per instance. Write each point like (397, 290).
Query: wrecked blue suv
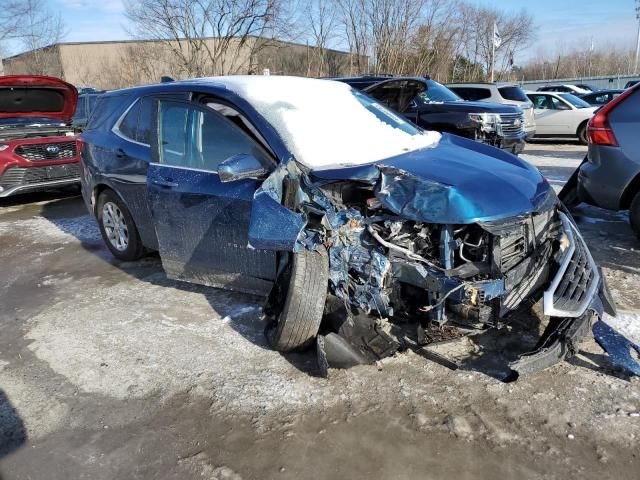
(346, 216)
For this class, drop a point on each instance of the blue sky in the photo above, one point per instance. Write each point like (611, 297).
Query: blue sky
(562, 24)
(565, 24)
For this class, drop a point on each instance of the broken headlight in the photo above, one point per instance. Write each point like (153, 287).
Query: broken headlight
(489, 122)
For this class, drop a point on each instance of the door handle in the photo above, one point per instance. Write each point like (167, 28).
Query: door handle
(120, 153)
(164, 183)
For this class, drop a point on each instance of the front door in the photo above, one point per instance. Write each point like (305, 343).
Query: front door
(201, 223)
(553, 116)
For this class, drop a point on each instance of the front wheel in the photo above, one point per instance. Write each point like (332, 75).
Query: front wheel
(117, 227)
(305, 296)
(582, 134)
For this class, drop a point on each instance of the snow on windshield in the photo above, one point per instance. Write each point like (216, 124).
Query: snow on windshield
(325, 123)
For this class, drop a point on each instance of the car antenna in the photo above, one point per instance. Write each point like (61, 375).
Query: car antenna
(166, 79)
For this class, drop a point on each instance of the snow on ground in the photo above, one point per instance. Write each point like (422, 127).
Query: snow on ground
(627, 324)
(39, 229)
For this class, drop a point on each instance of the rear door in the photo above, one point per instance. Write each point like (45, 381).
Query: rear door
(131, 154)
(201, 223)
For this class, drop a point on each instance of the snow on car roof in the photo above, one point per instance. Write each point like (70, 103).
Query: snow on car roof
(323, 123)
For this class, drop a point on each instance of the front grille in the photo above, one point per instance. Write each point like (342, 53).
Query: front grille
(17, 176)
(512, 124)
(577, 278)
(41, 152)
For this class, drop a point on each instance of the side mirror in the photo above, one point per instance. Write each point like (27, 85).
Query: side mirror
(241, 167)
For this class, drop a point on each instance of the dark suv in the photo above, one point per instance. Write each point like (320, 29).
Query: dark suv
(610, 178)
(433, 106)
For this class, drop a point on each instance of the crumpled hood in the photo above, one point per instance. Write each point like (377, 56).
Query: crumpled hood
(459, 182)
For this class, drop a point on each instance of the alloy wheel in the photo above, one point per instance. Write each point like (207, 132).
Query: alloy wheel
(115, 226)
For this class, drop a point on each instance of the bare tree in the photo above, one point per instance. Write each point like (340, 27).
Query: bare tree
(40, 30)
(320, 17)
(36, 29)
(206, 37)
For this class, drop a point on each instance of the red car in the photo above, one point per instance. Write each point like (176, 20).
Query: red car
(38, 146)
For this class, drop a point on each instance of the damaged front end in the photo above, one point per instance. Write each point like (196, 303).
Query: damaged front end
(413, 260)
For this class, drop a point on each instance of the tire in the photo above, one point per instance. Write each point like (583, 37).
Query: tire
(634, 214)
(299, 320)
(582, 134)
(124, 240)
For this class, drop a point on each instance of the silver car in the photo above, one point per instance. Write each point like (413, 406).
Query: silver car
(505, 93)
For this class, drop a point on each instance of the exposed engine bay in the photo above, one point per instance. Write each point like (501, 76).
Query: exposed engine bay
(388, 267)
(11, 131)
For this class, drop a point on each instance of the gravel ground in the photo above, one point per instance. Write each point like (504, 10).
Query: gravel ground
(109, 370)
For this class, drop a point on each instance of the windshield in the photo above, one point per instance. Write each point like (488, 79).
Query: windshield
(437, 93)
(513, 93)
(575, 101)
(327, 124)
(385, 115)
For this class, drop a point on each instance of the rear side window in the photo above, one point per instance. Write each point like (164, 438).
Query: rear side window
(472, 94)
(129, 123)
(145, 118)
(513, 93)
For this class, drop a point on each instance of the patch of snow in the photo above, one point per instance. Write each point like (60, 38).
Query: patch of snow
(627, 324)
(63, 230)
(323, 123)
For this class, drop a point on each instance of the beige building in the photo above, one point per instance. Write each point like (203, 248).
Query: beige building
(117, 64)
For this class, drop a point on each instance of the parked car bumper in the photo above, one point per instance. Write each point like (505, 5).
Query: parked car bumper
(602, 180)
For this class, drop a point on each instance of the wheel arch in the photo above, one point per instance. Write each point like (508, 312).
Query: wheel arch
(580, 125)
(629, 192)
(98, 190)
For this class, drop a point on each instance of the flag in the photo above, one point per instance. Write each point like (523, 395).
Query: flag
(497, 39)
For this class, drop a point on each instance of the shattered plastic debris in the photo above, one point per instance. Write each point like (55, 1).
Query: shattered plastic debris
(618, 347)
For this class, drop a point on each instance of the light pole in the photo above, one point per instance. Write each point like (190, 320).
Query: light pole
(638, 39)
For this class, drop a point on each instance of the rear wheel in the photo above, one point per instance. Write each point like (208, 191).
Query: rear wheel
(582, 134)
(118, 228)
(299, 320)
(634, 214)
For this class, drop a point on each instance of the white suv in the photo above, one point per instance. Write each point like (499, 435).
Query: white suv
(506, 93)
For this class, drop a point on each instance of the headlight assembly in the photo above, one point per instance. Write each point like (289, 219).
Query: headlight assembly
(488, 121)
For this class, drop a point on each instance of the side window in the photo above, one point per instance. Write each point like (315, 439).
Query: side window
(145, 118)
(472, 94)
(602, 99)
(559, 104)
(129, 123)
(388, 93)
(539, 101)
(194, 137)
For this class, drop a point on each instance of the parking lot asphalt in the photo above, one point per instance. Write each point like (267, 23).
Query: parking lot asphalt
(110, 370)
